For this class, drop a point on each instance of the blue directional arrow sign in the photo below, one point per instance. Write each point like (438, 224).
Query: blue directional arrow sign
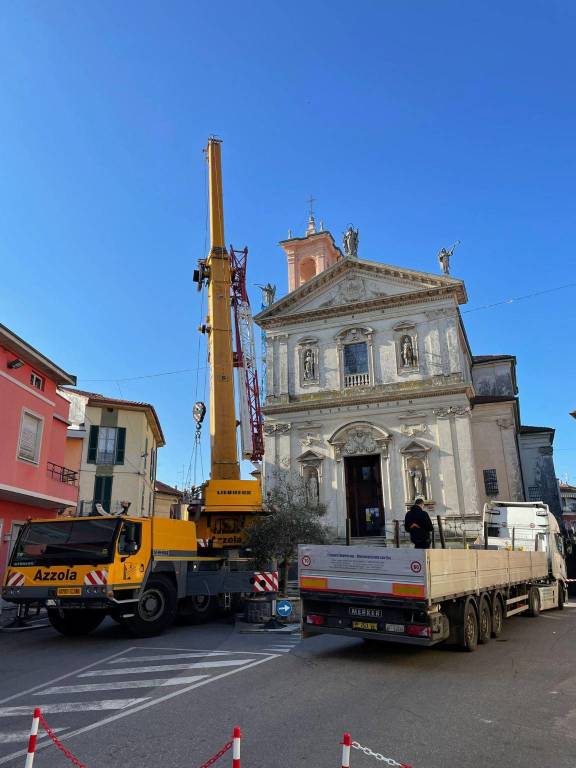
(284, 608)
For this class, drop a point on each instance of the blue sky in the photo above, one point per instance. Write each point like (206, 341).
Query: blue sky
(420, 122)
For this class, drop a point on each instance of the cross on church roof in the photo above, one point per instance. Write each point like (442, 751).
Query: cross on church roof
(311, 228)
(311, 202)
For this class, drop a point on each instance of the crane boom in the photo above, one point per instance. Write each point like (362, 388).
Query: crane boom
(228, 505)
(224, 458)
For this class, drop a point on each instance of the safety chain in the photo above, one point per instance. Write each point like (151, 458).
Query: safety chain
(217, 756)
(378, 756)
(59, 744)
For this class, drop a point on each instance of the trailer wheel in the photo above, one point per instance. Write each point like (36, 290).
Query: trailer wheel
(534, 602)
(156, 608)
(485, 621)
(197, 609)
(75, 623)
(497, 616)
(470, 627)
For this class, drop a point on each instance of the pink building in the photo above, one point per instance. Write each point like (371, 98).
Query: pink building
(33, 422)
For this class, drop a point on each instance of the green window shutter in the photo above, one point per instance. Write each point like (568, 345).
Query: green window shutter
(97, 493)
(92, 445)
(120, 445)
(107, 493)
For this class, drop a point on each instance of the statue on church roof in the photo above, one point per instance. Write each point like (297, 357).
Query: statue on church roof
(444, 257)
(268, 294)
(350, 241)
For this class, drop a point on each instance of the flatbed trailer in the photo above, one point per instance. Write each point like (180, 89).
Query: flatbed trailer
(425, 597)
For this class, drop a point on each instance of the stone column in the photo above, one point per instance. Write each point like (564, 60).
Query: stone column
(270, 367)
(283, 366)
(450, 486)
(463, 426)
(454, 364)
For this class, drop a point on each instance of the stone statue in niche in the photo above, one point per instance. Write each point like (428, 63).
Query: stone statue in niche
(417, 479)
(312, 487)
(309, 366)
(407, 352)
(351, 242)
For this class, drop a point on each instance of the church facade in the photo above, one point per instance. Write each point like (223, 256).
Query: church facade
(374, 397)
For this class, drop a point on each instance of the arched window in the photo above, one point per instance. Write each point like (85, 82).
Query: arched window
(307, 270)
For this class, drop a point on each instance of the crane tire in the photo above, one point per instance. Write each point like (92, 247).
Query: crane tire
(156, 608)
(75, 622)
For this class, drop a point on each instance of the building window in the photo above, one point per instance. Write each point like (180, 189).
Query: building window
(153, 464)
(356, 371)
(490, 482)
(103, 492)
(533, 493)
(30, 437)
(106, 445)
(36, 381)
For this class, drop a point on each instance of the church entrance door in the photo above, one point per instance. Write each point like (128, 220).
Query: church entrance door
(364, 495)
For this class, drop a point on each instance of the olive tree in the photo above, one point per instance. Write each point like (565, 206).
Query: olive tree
(290, 520)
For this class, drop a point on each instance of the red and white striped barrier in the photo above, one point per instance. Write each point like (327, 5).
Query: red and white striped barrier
(32, 738)
(265, 581)
(346, 745)
(236, 748)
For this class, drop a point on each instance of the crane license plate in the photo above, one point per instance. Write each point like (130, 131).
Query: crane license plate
(369, 625)
(67, 591)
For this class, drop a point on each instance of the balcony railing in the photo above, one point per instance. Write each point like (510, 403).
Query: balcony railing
(357, 380)
(62, 474)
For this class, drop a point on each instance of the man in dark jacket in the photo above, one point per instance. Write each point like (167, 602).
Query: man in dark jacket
(418, 524)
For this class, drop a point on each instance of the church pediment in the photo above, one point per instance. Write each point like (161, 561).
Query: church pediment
(359, 282)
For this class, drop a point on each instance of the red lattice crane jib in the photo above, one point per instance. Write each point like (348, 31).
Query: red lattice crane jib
(245, 360)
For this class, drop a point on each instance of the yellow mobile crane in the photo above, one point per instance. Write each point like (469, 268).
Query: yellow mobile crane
(226, 505)
(145, 571)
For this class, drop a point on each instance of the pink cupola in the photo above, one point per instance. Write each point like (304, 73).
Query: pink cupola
(309, 255)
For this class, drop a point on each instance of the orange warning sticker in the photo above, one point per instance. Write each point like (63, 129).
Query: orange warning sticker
(408, 590)
(309, 582)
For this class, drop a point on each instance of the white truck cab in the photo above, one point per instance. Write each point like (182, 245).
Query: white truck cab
(528, 526)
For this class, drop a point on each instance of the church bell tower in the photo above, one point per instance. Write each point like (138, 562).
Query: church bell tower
(309, 255)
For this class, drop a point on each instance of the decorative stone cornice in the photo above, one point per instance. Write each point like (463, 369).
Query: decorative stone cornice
(368, 396)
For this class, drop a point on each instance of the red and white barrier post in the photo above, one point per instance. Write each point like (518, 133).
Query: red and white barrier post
(32, 738)
(346, 744)
(235, 748)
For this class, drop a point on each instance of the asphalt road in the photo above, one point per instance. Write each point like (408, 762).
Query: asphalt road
(172, 701)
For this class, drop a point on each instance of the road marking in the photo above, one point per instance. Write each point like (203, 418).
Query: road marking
(72, 706)
(116, 685)
(7, 738)
(278, 650)
(61, 677)
(166, 667)
(124, 659)
(151, 703)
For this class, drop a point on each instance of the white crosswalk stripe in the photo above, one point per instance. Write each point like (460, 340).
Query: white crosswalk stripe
(195, 655)
(116, 685)
(74, 702)
(22, 736)
(72, 706)
(166, 667)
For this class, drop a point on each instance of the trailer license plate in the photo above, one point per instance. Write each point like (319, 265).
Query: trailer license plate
(371, 625)
(63, 591)
(394, 627)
